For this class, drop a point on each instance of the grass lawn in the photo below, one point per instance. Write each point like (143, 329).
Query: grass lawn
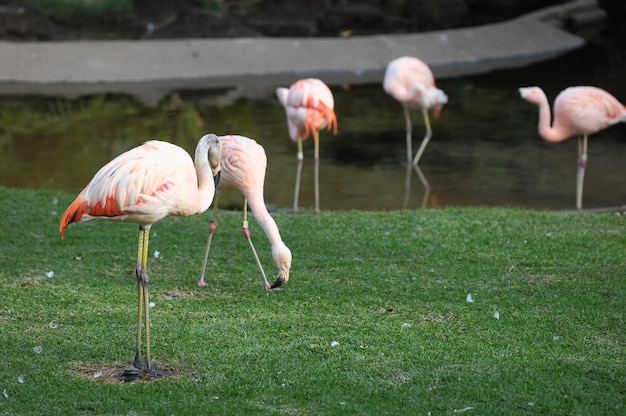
(375, 318)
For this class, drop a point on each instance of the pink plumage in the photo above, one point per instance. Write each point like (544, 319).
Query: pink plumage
(144, 185)
(411, 82)
(309, 105)
(243, 167)
(578, 111)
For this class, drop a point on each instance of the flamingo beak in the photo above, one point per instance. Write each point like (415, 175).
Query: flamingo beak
(281, 279)
(436, 112)
(216, 178)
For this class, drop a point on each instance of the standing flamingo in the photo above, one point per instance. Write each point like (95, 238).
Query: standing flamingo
(577, 111)
(144, 185)
(309, 105)
(411, 82)
(243, 167)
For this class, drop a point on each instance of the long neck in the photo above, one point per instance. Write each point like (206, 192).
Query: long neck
(265, 220)
(546, 130)
(206, 184)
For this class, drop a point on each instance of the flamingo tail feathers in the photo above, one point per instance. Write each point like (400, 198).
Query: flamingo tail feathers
(80, 207)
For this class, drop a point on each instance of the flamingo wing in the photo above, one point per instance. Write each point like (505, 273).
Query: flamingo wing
(310, 106)
(587, 110)
(138, 184)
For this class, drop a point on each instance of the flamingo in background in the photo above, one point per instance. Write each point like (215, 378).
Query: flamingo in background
(577, 111)
(243, 167)
(309, 105)
(411, 82)
(144, 185)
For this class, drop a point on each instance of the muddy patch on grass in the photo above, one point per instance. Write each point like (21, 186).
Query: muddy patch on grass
(122, 374)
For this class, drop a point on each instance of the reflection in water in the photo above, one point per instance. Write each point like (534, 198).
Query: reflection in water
(485, 149)
(407, 185)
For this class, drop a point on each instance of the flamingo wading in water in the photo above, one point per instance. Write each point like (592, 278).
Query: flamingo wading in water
(243, 167)
(309, 105)
(411, 82)
(143, 186)
(578, 111)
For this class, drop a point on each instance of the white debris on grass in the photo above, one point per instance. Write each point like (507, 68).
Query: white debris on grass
(37, 349)
(152, 304)
(406, 325)
(496, 315)
(469, 298)
(465, 409)
(157, 253)
(20, 379)
(97, 375)
(334, 344)
(6, 395)
(50, 274)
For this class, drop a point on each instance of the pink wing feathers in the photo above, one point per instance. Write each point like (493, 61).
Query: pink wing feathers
(310, 106)
(402, 74)
(587, 110)
(128, 184)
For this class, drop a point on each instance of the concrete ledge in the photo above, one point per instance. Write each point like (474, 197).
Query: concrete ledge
(150, 69)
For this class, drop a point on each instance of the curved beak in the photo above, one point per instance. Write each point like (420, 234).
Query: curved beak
(437, 112)
(216, 178)
(281, 279)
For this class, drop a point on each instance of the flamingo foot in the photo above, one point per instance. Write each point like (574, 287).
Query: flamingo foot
(201, 281)
(137, 363)
(156, 372)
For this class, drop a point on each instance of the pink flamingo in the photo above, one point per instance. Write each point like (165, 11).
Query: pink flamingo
(577, 111)
(309, 105)
(411, 82)
(143, 186)
(243, 167)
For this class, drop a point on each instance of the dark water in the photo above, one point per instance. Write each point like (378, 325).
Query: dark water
(485, 149)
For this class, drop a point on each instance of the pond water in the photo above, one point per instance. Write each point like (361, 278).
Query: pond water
(485, 149)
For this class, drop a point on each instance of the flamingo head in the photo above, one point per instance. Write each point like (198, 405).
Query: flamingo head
(436, 99)
(533, 95)
(282, 259)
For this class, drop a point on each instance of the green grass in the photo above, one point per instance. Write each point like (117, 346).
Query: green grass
(389, 287)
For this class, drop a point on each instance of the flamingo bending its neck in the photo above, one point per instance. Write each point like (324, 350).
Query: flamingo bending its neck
(309, 105)
(143, 186)
(243, 167)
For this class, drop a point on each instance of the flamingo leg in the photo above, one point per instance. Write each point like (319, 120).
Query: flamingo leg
(298, 174)
(316, 159)
(425, 183)
(139, 271)
(582, 162)
(426, 138)
(142, 288)
(409, 132)
(246, 233)
(407, 187)
(212, 226)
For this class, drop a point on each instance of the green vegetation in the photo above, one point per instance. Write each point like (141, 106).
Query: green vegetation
(389, 287)
(76, 9)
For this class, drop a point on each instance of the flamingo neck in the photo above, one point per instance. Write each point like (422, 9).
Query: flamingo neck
(265, 220)
(280, 252)
(549, 132)
(206, 184)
